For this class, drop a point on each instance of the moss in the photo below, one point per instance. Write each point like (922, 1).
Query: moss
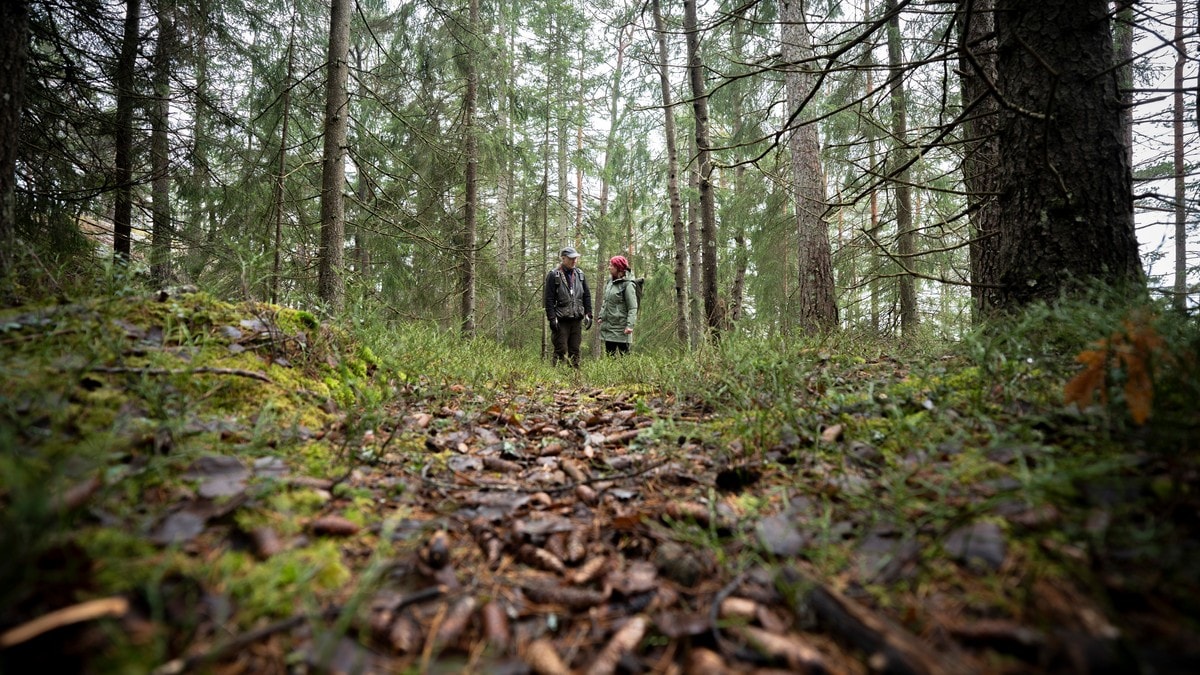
(274, 586)
(122, 561)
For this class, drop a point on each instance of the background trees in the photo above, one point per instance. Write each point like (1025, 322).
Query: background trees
(979, 154)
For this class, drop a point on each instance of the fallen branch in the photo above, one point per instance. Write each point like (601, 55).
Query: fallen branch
(548, 490)
(890, 647)
(84, 611)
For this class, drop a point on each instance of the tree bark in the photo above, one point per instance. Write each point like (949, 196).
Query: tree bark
(330, 284)
(708, 216)
(900, 154)
(471, 199)
(817, 308)
(977, 65)
(695, 258)
(1180, 297)
(1063, 172)
(123, 141)
(678, 234)
(281, 165)
(14, 53)
(161, 229)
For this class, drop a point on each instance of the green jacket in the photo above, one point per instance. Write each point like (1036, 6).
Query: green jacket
(618, 310)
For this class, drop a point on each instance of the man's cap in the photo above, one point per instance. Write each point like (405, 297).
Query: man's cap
(569, 252)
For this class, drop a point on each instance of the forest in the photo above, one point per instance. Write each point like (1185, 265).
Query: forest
(912, 386)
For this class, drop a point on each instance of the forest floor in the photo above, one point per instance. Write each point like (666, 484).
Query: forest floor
(191, 486)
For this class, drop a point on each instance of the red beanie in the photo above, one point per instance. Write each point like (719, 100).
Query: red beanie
(619, 262)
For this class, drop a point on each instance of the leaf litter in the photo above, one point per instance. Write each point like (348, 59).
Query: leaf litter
(572, 531)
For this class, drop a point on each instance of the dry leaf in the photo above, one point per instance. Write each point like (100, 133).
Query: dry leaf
(335, 526)
(623, 642)
(495, 625)
(544, 659)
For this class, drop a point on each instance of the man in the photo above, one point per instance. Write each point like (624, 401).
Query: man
(568, 306)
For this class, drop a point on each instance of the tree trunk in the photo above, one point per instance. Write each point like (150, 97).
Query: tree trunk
(1180, 299)
(281, 169)
(678, 234)
(708, 215)
(14, 52)
(900, 154)
(977, 65)
(1063, 173)
(123, 141)
(161, 230)
(504, 179)
(737, 93)
(471, 199)
(330, 285)
(817, 310)
(695, 259)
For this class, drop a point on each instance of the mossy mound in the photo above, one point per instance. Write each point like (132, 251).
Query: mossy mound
(145, 439)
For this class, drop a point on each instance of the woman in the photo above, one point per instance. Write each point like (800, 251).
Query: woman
(618, 311)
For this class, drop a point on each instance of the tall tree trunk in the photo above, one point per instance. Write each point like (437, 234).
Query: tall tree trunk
(737, 93)
(708, 213)
(505, 176)
(977, 65)
(814, 288)
(1063, 173)
(161, 231)
(900, 154)
(558, 107)
(695, 257)
(123, 141)
(471, 199)
(14, 52)
(281, 165)
(1180, 299)
(330, 284)
(679, 237)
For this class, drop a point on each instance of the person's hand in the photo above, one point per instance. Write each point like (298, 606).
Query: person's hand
(587, 322)
(628, 331)
(554, 323)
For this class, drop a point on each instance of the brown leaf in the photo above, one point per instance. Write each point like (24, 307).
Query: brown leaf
(586, 495)
(573, 598)
(541, 558)
(543, 658)
(832, 433)
(706, 661)
(455, 621)
(589, 570)
(495, 625)
(266, 542)
(576, 546)
(501, 465)
(623, 642)
(799, 655)
(741, 608)
(405, 634)
(334, 526)
(676, 625)
(639, 577)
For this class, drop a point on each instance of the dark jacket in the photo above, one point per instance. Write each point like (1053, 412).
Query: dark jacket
(565, 300)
